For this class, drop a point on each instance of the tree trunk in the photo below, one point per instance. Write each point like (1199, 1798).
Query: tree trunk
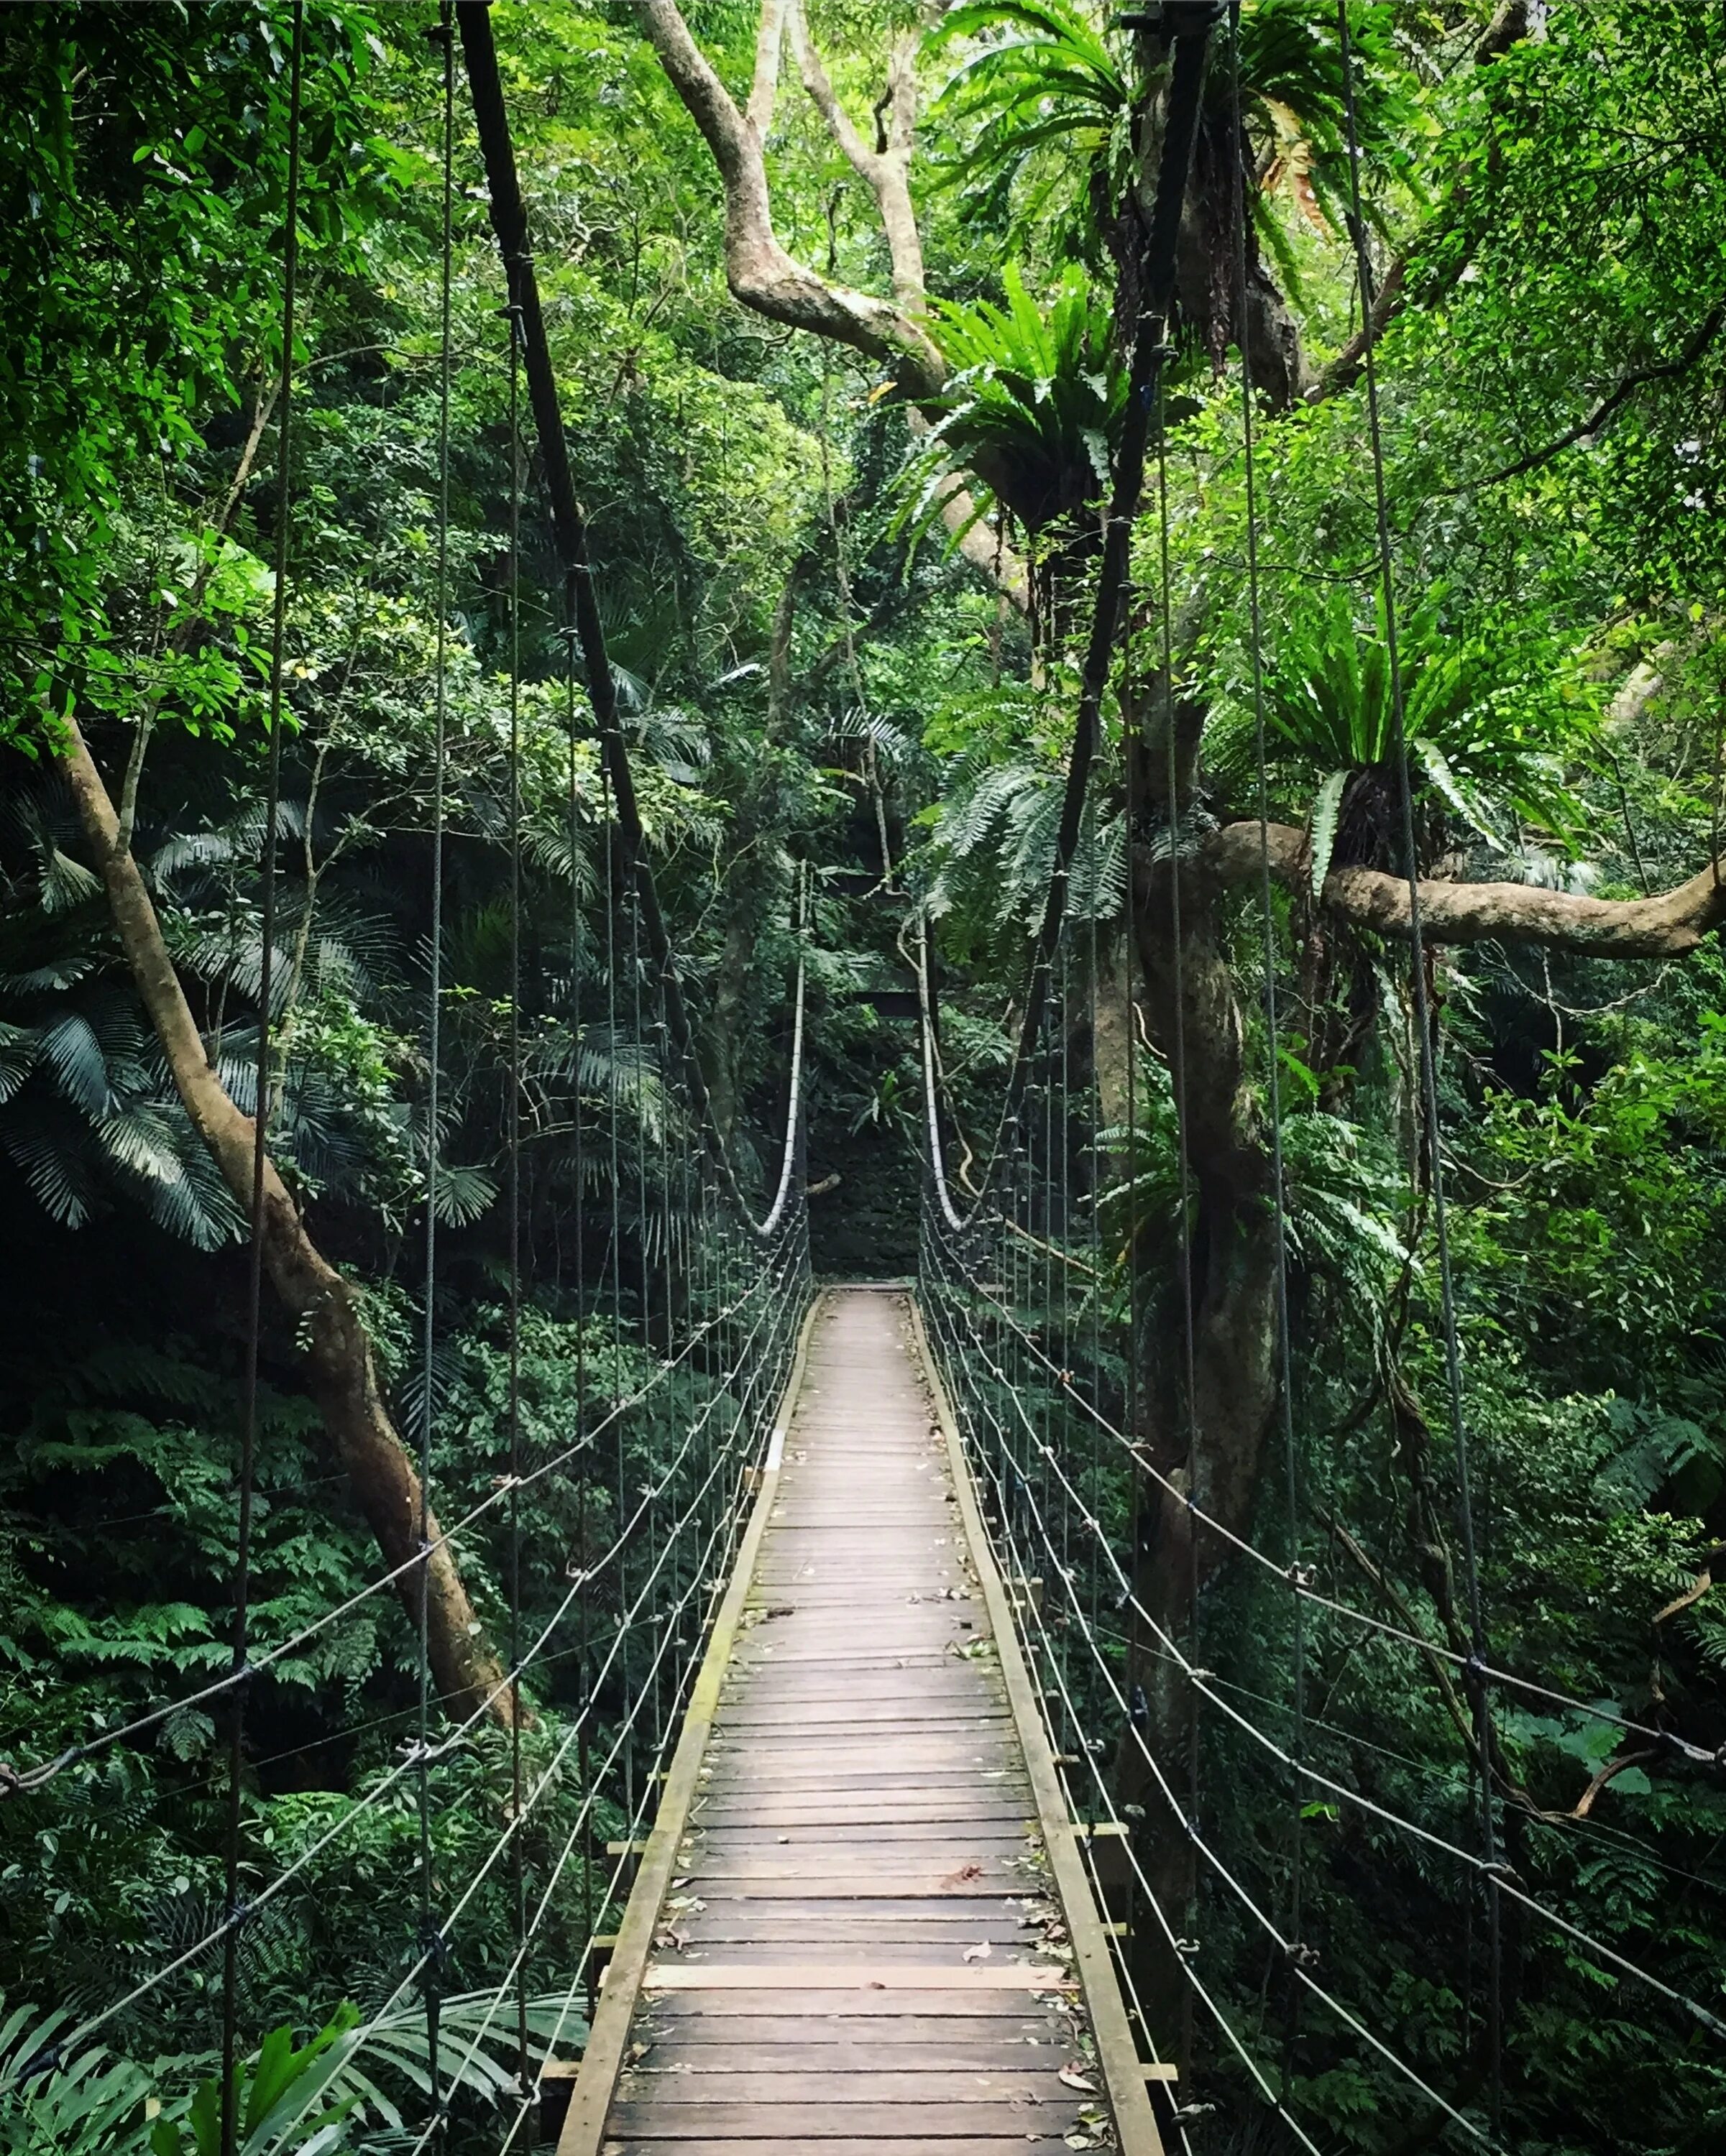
(343, 1379)
(1109, 1034)
(1206, 1440)
(725, 1018)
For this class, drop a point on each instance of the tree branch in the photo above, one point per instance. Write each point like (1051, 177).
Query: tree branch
(887, 171)
(1664, 926)
(763, 276)
(1345, 370)
(1662, 371)
(1509, 27)
(769, 39)
(343, 1377)
(759, 271)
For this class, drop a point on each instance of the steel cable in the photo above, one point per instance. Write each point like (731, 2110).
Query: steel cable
(262, 1100)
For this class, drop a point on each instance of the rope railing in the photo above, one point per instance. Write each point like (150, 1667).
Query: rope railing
(1203, 1681)
(1045, 1378)
(681, 1320)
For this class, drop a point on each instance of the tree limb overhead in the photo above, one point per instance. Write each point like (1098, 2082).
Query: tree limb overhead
(1664, 926)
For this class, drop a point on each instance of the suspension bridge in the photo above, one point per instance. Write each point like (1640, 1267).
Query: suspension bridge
(826, 1846)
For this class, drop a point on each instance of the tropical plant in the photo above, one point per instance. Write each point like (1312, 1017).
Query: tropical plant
(87, 2105)
(1491, 736)
(284, 2100)
(1050, 77)
(1046, 75)
(87, 1114)
(1032, 405)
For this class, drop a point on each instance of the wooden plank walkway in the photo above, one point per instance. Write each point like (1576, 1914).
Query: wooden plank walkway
(857, 1944)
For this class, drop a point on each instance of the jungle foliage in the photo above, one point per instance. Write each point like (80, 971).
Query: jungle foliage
(812, 675)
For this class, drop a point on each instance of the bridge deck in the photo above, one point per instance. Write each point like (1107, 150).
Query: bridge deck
(857, 1942)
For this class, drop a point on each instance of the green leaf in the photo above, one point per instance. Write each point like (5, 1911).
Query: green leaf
(1326, 809)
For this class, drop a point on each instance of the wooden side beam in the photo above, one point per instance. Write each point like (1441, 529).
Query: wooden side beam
(608, 2040)
(1118, 2058)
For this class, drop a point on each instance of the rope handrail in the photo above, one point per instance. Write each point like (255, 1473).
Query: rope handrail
(1291, 1577)
(726, 1527)
(446, 1745)
(509, 219)
(26, 1782)
(1199, 1679)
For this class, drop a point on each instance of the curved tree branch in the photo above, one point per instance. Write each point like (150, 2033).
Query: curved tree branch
(764, 276)
(1664, 926)
(886, 171)
(343, 1377)
(759, 271)
(770, 41)
(1665, 370)
(1509, 27)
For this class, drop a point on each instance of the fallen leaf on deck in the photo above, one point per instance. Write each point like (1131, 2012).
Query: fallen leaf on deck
(1073, 2074)
(978, 1954)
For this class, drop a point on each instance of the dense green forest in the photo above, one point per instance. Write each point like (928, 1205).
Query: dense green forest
(842, 297)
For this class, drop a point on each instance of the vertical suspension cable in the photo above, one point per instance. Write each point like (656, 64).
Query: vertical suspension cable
(260, 1115)
(1187, 1390)
(1479, 1703)
(1273, 1051)
(518, 1873)
(1059, 1127)
(614, 1111)
(666, 1232)
(1095, 1176)
(1178, 1060)
(639, 1037)
(584, 1468)
(444, 38)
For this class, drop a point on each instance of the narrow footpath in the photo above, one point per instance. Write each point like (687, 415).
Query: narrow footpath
(861, 1951)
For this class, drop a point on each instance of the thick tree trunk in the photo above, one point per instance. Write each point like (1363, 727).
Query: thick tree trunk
(1110, 1035)
(725, 1018)
(343, 1379)
(1201, 1432)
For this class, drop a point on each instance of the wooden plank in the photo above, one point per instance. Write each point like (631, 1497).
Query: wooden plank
(889, 1958)
(874, 1810)
(1117, 2054)
(855, 1976)
(969, 1835)
(868, 1885)
(1021, 1912)
(1035, 2136)
(585, 2124)
(858, 1939)
(660, 2083)
(823, 2007)
(932, 2047)
(917, 2124)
